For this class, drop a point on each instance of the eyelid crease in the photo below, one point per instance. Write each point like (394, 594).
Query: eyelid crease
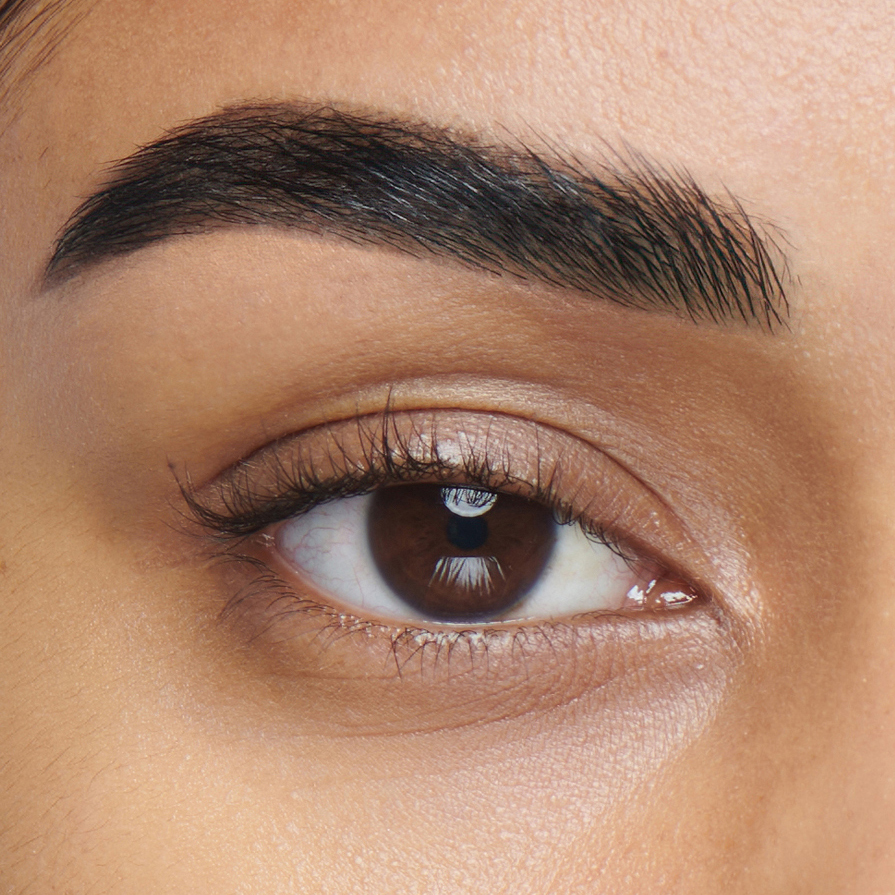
(578, 481)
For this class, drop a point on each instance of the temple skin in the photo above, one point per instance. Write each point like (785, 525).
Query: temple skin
(173, 723)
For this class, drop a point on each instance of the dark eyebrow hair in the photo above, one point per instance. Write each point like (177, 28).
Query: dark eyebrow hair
(632, 232)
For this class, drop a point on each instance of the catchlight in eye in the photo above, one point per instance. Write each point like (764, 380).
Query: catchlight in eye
(459, 554)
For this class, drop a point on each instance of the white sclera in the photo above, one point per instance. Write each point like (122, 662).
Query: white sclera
(329, 550)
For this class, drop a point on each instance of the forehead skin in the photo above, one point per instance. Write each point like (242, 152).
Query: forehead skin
(787, 106)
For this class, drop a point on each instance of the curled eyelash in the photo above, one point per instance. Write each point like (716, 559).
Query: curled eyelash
(281, 483)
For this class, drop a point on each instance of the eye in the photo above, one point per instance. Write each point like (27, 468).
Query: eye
(464, 555)
(430, 568)
(422, 520)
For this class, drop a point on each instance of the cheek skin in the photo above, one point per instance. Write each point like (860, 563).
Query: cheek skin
(158, 701)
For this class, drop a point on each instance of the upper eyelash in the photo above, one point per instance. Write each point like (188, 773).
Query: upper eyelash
(237, 508)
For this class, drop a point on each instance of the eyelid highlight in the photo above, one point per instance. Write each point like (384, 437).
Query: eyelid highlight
(490, 450)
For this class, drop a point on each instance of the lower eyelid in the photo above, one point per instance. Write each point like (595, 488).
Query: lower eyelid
(338, 675)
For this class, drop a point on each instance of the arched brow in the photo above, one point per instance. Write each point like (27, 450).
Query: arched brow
(630, 232)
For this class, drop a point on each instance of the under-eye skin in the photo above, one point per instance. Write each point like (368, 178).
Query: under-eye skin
(450, 545)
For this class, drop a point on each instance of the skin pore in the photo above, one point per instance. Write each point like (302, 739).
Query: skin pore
(184, 711)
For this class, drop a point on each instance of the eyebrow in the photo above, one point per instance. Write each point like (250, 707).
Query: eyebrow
(631, 232)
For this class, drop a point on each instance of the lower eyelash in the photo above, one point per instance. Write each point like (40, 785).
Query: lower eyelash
(343, 674)
(269, 596)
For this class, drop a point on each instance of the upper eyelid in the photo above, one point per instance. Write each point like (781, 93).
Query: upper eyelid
(261, 491)
(380, 441)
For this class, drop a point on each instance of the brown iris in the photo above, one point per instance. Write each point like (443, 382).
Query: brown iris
(457, 553)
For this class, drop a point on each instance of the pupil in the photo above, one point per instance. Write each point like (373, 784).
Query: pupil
(466, 533)
(458, 554)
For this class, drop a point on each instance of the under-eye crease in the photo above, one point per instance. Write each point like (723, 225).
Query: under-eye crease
(292, 493)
